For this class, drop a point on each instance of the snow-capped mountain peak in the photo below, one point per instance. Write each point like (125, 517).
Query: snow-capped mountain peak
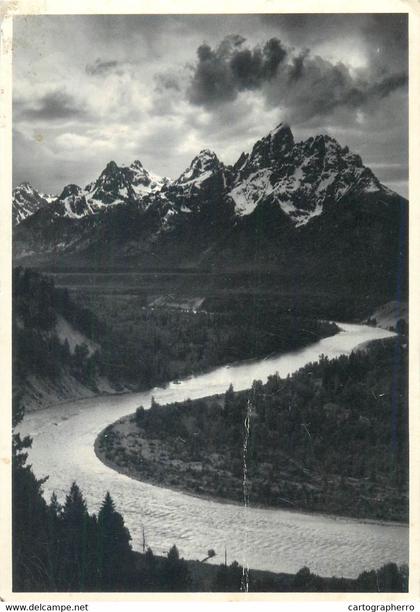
(281, 134)
(71, 203)
(119, 184)
(137, 165)
(27, 200)
(110, 188)
(25, 187)
(201, 168)
(301, 178)
(71, 190)
(115, 185)
(143, 181)
(207, 155)
(275, 145)
(269, 151)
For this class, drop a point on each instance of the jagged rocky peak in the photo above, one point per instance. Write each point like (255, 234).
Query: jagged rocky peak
(110, 167)
(70, 190)
(25, 186)
(111, 172)
(118, 184)
(240, 164)
(323, 156)
(27, 200)
(23, 191)
(26, 189)
(71, 203)
(301, 178)
(137, 165)
(327, 147)
(281, 138)
(269, 151)
(202, 166)
(143, 181)
(207, 156)
(201, 188)
(112, 187)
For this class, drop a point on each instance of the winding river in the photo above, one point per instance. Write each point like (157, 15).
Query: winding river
(278, 540)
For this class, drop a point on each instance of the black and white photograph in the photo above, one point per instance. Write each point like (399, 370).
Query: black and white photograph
(210, 327)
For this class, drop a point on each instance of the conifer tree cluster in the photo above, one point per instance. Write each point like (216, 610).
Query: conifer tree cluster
(64, 548)
(332, 437)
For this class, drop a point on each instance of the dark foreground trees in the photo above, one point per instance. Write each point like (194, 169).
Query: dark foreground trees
(64, 548)
(30, 540)
(113, 546)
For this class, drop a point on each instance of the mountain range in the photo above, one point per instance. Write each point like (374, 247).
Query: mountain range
(304, 207)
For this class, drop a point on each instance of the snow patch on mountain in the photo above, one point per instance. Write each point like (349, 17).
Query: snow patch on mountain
(202, 168)
(115, 185)
(26, 200)
(119, 184)
(249, 192)
(71, 203)
(300, 177)
(145, 182)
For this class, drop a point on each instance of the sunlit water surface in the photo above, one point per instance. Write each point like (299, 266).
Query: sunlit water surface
(278, 540)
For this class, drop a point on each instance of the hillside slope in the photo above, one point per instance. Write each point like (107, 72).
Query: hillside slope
(54, 356)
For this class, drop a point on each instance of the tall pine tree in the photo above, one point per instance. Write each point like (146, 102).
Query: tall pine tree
(113, 547)
(75, 521)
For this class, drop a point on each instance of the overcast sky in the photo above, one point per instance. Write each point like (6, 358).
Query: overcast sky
(88, 89)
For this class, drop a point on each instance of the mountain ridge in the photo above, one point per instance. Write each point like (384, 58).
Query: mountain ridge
(293, 206)
(277, 168)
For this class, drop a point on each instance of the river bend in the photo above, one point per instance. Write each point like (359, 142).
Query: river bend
(272, 539)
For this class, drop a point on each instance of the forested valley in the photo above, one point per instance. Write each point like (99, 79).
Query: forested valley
(142, 347)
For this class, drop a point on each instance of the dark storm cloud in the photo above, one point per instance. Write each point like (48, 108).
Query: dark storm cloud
(220, 74)
(390, 84)
(103, 68)
(303, 84)
(313, 86)
(386, 30)
(296, 71)
(52, 106)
